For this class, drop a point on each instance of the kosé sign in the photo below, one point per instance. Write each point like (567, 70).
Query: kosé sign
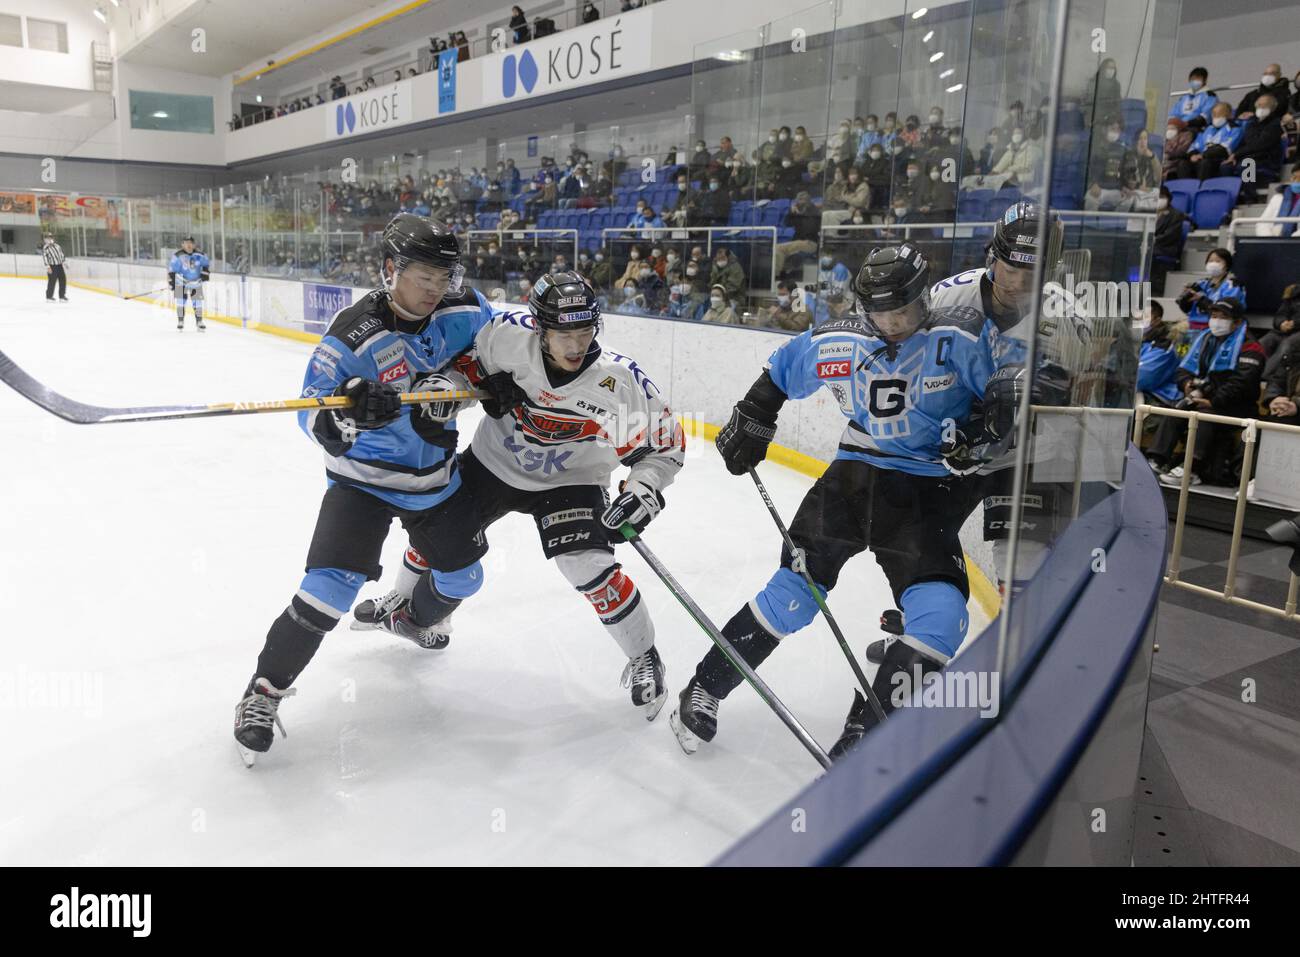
(601, 51)
(366, 112)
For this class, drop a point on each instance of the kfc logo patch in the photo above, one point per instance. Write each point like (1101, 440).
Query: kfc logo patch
(398, 371)
(836, 369)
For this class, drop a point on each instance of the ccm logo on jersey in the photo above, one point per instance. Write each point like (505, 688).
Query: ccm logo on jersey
(835, 369)
(568, 539)
(398, 371)
(937, 383)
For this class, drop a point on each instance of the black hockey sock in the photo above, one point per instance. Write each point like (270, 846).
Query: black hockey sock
(754, 643)
(428, 607)
(291, 643)
(900, 659)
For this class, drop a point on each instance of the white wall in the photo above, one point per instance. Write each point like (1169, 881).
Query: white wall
(1237, 47)
(71, 69)
(167, 147)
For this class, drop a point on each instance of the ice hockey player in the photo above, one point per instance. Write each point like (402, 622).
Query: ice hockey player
(563, 415)
(382, 460)
(904, 375)
(187, 273)
(1003, 291)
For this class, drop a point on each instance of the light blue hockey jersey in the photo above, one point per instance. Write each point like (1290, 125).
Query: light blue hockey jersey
(188, 266)
(393, 463)
(899, 398)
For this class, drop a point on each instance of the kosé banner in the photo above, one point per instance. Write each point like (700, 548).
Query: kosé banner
(320, 303)
(601, 51)
(375, 109)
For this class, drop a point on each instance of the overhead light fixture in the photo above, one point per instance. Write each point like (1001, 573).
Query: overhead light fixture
(731, 56)
(936, 57)
(116, 4)
(928, 37)
(954, 89)
(259, 98)
(99, 13)
(159, 114)
(947, 73)
(920, 13)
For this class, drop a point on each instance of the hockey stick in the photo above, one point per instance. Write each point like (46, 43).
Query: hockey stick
(799, 564)
(157, 287)
(82, 414)
(737, 662)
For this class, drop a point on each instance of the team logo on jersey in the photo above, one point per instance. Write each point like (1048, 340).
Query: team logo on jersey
(833, 350)
(556, 428)
(834, 369)
(607, 383)
(550, 398)
(399, 371)
(888, 395)
(841, 396)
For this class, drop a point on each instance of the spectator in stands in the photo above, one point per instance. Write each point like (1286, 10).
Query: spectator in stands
(727, 273)
(889, 131)
(651, 288)
(1213, 145)
(910, 188)
(934, 135)
(633, 270)
(397, 76)
(781, 314)
(719, 308)
(519, 24)
(698, 166)
(937, 198)
(1291, 118)
(647, 218)
(616, 165)
(878, 171)
(1260, 146)
(954, 149)
(806, 219)
(1101, 102)
(789, 180)
(990, 153)
(1147, 173)
(543, 27)
(839, 143)
(740, 184)
(801, 147)
(697, 276)
(1167, 248)
(1273, 84)
(714, 206)
(1219, 283)
(1158, 358)
(1282, 387)
(338, 89)
(845, 195)
(589, 12)
(1285, 202)
(1015, 120)
(910, 135)
(1021, 160)
(1112, 172)
(720, 161)
(1220, 374)
(602, 273)
(683, 203)
(629, 299)
(1178, 143)
(1285, 326)
(1036, 126)
(412, 72)
(1194, 108)
(901, 213)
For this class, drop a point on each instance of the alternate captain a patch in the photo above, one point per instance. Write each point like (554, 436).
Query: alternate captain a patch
(607, 383)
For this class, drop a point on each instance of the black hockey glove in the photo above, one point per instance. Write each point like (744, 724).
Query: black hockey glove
(373, 405)
(636, 505)
(1002, 395)
(429, 419)
(963, 454)
(504, 394)
(743, 441)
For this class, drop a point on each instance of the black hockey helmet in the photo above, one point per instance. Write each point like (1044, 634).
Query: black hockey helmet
(564, 301)
(891, 278)
(417, 239)
(1015, 237)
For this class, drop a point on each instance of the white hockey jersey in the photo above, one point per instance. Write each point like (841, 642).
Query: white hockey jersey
(578, 431)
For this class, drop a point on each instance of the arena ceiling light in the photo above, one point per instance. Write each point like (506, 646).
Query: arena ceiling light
(936, 57)
(920, 13)
(947, 73)
(928, 37)
(954, 89)
(101, 15)
(160, 115)
(731, 56)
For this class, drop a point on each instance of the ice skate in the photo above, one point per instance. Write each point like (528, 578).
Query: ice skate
(366, 616)
(398, 622)
(256, 718)
(695, 719)
(644, 674)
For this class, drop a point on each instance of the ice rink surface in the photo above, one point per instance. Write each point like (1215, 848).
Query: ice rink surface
(143, 563)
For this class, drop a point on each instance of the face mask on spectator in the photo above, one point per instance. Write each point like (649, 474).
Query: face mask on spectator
(713, 183)
(858, 220)
(715, 302)
(1219, 121)
(721, 261)
(913, 173)
(1214, 267)
(629, 291)
(634, 255)
(934, 119)
(1194, 85)
(771, 138)
(644, 273)
(681, 186)
(1294, 187)
(1262, 112)
(955, 140)
(934, 175)
(1220, 327)
(871, 127)
(857, 129)
(799, 137)
(1112, 136)
(656, 253)
(1109, 73)
(874, 154)
(826, 262)
(992, 141)
(672, 258)
(699, 147)
(1017, 138)
(784, 136)
(783, 301)
(786, 164)
(692, 271)
(1268, 79)
(600, 257)
(1171, 132)
(1162, 203)
(844, 127)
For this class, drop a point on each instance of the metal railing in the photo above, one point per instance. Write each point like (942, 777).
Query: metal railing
(1214, 89)
(1250, 434)
(1232, 226)
(501, 235)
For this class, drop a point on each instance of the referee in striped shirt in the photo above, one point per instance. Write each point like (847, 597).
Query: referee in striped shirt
(52, 253)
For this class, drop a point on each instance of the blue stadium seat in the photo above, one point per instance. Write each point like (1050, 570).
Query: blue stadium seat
(1181, 192)
(1134, 113)
(1214, 201)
